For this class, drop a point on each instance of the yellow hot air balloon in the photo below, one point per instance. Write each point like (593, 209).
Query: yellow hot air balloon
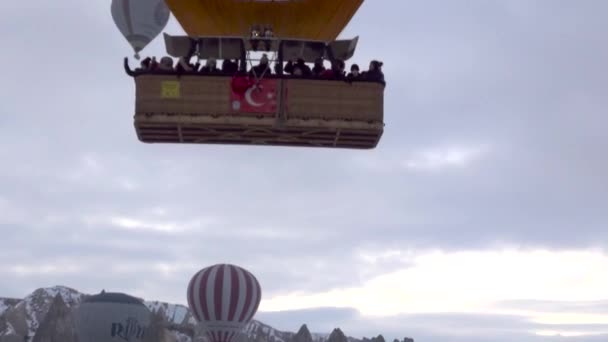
(297, 19)
(280, 108)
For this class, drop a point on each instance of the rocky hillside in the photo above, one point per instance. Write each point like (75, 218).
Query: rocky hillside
(44, 316)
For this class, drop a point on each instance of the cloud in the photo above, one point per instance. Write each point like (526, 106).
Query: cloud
(434, 327)
(468, 282)
(596, 307)
(438, 158)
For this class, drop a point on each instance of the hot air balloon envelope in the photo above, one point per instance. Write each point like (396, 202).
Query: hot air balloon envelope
(302, 19)
(140, 21)
(224, 299)
(111, 317)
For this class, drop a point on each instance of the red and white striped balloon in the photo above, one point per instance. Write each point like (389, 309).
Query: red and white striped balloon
(224, 298)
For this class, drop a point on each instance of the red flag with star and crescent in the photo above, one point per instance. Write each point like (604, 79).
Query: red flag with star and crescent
(247, 96)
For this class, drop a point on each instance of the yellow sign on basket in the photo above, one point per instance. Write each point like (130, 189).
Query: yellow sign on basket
(170, 90)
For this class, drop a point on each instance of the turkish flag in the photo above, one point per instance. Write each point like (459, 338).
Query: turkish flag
(251, 97)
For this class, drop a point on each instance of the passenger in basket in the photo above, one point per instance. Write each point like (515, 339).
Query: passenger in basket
(299, 69)
(210, 67)
(229, 67)
(278, 68)
(374, 74)
(166, 64)
(184, 65)
(144, 65)
(318, 68)
(153, 64)
(289, 67)
(336, 72)
(354, 74)
(263, 68)
(306, 71)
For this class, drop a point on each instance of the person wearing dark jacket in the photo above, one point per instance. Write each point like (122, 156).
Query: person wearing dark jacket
(230, 67)
(278, 68)
(144, 65)
(336, 72)
(354, 74)
(318, 68)
(289, 67)
(153, 64)
(263, 68)
(374, 74)
(166, 64)
(300, 69)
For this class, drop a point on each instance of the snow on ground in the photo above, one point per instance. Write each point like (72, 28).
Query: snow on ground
(32, 320)
(69, 296)
(10, 330)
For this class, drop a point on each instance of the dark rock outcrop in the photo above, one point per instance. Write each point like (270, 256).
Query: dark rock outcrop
(16, 323)
(157, 330)
(337, 336)
(57, 325)
(303, 335)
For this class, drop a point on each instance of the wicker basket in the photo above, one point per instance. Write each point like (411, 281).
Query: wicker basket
(197, 95)
(334, 100)
(196, 109)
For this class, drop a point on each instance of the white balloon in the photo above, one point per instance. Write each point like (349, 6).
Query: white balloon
(140, 21)
(111, 318)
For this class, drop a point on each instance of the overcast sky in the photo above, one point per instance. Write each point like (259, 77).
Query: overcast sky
(481, 216)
